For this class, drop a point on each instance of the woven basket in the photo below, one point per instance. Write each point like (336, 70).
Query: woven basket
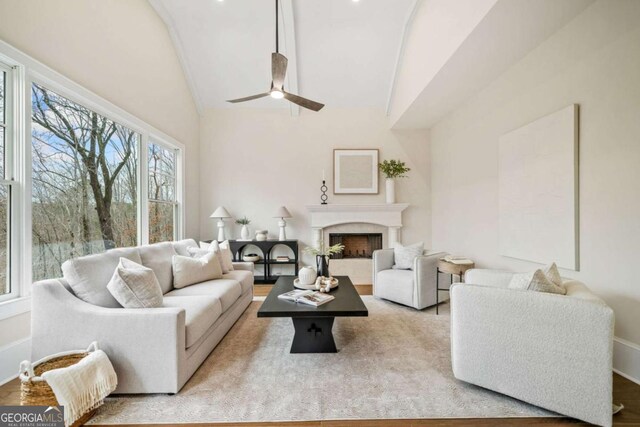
(35, 391)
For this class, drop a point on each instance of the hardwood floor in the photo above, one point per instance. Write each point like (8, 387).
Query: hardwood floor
(624, 391)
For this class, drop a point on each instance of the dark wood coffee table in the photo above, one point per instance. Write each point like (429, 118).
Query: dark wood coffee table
(313, 324)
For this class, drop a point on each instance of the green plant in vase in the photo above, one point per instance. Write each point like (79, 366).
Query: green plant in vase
(392, 169)
(244, 231)
(322, 254)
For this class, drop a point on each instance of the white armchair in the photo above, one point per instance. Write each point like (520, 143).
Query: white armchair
(414, 288)
(550, 350)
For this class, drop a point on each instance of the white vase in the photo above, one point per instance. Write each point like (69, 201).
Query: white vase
(244, 233)
(390, 190)
(307, 275)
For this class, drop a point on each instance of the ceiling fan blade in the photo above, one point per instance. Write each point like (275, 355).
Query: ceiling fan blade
(248, 98)
(278, 69)
(303, 102)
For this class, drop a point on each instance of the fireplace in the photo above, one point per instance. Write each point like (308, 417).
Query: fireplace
(356, 245)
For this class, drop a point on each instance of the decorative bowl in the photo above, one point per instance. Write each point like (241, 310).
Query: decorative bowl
(251, 258)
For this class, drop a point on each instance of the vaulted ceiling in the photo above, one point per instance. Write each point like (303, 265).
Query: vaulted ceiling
(341, 52)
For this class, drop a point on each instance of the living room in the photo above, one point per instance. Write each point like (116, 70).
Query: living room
(438, 152)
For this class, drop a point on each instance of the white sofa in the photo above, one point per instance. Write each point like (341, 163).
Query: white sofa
(553, 351)
(414, 288)
(154, 350)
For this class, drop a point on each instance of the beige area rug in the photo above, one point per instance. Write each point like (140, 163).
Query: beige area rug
(393, 364)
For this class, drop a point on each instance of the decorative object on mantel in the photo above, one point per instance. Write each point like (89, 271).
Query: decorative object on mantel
(322, 254)
(262, 235)
(282, 213)
(244, 231)
(355, 171)
(307, 276)
(323, 189)
(220, 214)
(392, 169)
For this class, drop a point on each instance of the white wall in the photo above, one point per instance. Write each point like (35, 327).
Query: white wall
(437, 30)
(594, 61)
(122, 52)
(255, 160)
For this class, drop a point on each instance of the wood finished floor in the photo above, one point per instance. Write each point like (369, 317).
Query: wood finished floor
(624, 391)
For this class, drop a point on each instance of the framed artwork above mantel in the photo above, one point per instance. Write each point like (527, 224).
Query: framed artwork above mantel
(355, 171)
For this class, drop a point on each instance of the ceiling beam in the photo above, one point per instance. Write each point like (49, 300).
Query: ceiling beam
(396, 69)
(177, 45)
(286, 9)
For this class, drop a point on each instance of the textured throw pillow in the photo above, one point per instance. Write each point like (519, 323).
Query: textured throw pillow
(215, 248)
(189, 271)
(227, 256)
(535, 281)
(135, 286)
(404, 255)
(199, 253)
(552, 273)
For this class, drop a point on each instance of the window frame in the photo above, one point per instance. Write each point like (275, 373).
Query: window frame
(177, 211)
(27, 71)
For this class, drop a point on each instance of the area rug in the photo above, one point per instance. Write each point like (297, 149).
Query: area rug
(393, 364)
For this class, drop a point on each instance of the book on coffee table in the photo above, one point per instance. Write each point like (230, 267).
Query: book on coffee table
(313, 298)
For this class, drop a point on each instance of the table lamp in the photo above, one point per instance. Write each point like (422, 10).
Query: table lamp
(282, 213)
(220, 213)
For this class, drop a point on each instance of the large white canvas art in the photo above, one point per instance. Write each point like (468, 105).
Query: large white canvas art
(538, 190)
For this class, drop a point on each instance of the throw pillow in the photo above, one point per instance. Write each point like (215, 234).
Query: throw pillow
(215, 248)
(135, 286)
(404, 255)
(199, 253)
(535, 281)
(552, 273)
(227, 256)
(189, 271)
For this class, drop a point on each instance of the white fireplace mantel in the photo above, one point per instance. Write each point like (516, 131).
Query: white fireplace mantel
(387, 215)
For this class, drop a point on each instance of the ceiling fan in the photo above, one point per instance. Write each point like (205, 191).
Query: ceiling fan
(278, 71)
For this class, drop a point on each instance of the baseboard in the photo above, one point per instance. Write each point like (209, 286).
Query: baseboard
(11, 356)
(626, 359)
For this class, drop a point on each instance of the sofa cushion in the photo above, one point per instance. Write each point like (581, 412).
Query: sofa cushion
(88, 275)
(189, 271)
(535, 281)
(135, 286)
(405, 255)
(158, 258)
(243, 276)
(227, 291)
(200, 313)
(182, 246)
(395, 285)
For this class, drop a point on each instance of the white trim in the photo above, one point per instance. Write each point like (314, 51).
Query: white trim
(289, 30)
(164, 14)
(626, 359)
(11, 356)
(14, 307)
(143, 190)
(400, 55)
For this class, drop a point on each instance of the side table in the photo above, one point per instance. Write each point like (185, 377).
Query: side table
(451, 269)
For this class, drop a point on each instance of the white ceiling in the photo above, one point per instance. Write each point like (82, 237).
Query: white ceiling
(345, 51)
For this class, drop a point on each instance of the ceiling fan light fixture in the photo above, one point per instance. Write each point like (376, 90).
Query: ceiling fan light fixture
(276, 94)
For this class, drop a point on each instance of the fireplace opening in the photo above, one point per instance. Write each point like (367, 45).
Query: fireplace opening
(356, 245)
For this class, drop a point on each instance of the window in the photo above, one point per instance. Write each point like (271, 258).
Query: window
(84, 182)
(6, 179)
(162, 193)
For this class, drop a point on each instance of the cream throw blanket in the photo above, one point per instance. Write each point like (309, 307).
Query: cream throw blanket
(83, 386)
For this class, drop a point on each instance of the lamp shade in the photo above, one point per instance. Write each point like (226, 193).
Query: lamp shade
(282, 213)
(221, 212)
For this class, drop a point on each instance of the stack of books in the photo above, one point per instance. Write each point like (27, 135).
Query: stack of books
(313, 298)
(282, 258)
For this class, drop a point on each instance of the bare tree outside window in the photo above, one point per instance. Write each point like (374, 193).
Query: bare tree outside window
(162, 193)
(84, 182)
